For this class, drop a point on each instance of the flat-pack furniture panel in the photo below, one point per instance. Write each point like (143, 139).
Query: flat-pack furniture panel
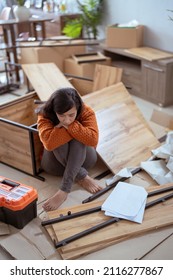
(20, 146)
(125, 138)
(111, 234)
(45, 78)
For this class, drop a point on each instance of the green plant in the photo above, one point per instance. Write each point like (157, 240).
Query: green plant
(20, 2)
(90, 18)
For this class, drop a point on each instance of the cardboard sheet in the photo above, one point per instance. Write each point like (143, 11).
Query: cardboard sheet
(4, 229)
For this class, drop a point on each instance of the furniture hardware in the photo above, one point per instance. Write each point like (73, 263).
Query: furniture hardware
(112, 220)
(104, 224)
(153, 68)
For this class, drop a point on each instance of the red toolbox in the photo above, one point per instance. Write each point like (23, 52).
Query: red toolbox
(17, 203)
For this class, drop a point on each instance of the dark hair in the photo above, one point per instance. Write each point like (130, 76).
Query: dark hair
(61, 101)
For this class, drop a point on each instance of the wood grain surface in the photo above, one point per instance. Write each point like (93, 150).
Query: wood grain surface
(125, 138)
(111, 95)
(105, 75)
(124, 141)
(155, 218)
(45, 78)
(149, 53)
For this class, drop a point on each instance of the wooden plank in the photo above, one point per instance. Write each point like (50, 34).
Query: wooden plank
(13, 151)
(134, 248)
(21, 111)
(105, 76)
(113, 94)
(45, 78)
(124, 141)
(149, 53)
(111, 234)
(18, 100)
(82, 86)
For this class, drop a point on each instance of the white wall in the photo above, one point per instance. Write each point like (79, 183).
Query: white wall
(153, 14)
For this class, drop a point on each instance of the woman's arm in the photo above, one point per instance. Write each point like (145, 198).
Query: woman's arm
(85, 129)
(51, 136)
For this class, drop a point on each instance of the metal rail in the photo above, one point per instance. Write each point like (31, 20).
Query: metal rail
(104, 224)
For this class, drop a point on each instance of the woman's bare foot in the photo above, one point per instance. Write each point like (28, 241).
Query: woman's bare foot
(89, 184)
(55, 201)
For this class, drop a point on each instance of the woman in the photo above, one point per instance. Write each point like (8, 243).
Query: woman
(69, 133)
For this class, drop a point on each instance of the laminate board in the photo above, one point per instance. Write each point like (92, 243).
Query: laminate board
(111, 95)
(13, 151)
(45, 78)
(125, 138)
(149, 53)
(112, 234)
(124, 141)
(105, 76)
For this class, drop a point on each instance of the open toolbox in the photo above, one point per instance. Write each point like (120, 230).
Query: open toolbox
(17, 203)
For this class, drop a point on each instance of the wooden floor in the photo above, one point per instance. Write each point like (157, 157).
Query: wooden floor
(33, 241)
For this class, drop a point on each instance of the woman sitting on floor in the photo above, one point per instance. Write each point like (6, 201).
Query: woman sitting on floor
(69, 133)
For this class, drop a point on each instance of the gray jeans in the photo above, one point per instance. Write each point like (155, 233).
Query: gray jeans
(71, 161)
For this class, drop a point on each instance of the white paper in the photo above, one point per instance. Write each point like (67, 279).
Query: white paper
(158, 171)
(126, 201)
(170, 164)
(169, 138)
(138, 218)
(123, 173)
(132, 23)
(164, 151)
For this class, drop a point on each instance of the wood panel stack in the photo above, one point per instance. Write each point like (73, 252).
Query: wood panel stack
(109, 235)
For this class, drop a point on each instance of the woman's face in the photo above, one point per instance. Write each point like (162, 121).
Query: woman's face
(68, 117)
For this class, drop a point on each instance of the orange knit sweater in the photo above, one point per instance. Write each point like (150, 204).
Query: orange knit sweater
(84, 129)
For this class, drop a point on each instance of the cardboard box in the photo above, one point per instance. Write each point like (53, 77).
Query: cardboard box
(50, 54)
(83, 69)
(124, 37)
